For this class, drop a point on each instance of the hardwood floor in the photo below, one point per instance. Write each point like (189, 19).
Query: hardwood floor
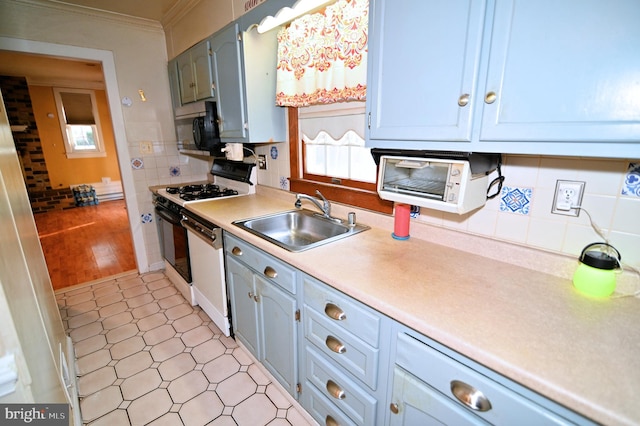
(84, 244)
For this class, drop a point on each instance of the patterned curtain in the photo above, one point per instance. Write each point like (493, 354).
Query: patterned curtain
(322, 57)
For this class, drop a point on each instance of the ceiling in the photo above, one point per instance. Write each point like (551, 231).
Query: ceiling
(147, 9)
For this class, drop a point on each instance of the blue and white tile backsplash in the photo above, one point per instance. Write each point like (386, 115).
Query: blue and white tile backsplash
(631, 185)
(515, 200)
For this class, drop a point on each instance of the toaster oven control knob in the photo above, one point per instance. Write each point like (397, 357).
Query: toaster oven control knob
(455, 172)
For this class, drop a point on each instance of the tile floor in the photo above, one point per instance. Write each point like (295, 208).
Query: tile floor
(145, 356)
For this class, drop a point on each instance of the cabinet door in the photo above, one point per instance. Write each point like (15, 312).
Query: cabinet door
(244, 311)
(423, 62)
(564, 71)
(201, 61)
(185, 78)
(227, 71)
(174, 83)
(279, 338)
(415, 403)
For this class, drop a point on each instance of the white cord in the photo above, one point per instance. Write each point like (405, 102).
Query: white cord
(251, 151)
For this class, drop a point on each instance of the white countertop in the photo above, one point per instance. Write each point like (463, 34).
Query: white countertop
(529, 326)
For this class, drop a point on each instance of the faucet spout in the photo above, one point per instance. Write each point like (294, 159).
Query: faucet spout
(325, 207)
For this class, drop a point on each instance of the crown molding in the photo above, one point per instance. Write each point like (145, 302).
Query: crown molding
(178, 11)
(118, 18)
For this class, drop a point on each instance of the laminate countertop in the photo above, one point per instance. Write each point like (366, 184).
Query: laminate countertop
(530, 326)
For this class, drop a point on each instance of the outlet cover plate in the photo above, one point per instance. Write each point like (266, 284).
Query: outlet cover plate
(567, 197)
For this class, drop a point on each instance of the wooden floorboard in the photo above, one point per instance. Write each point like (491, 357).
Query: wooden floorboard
(84, 244)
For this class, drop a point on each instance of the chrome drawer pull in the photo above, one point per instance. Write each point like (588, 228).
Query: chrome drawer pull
(470, 396)
(270, 272)
(330, 421)
(334, 312)
(236, 251)
(335, 345)
(335, 390)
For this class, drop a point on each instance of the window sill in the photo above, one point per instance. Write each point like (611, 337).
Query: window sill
(351, 196)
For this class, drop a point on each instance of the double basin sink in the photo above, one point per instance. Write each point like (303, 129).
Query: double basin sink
(298, 230)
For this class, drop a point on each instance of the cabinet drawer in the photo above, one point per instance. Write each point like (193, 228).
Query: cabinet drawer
(322, 409)
(338, 388)
(440, 371)
(349, 351)
(275, 270)
(352, 316)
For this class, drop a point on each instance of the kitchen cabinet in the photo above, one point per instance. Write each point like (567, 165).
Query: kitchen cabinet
(433, 385)
(264, 308)
(511, 77)
(244, 69)
(344, 357)
(194, 73)
(174, 83)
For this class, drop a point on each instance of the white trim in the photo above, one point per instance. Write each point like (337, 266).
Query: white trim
(117, 118)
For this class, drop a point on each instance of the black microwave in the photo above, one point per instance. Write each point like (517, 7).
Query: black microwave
(199, 129)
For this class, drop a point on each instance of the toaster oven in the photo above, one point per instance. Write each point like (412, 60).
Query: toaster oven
(451, 182)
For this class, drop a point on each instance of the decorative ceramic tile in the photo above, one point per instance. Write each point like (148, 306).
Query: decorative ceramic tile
(415, 212)
(174, 171)
(284, 183)
(274, 152)
(631, 185)
(515, 200)
(137, 163)
(146, 217)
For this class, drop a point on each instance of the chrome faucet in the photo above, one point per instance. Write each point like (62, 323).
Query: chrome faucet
(325, 207)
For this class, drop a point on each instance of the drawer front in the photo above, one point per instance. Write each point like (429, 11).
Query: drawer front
(322, 409)
(343, 311)
(349, 351)
(339, 389)
(440, 371)
(275, 270)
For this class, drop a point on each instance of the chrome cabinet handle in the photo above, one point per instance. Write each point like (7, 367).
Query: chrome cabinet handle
(470, 396)
(270, 272)
(394, 408)
(490, 97)
(335, 390)
(334, 312)
(463, 100)
(236, 251)
(330, 421)
(335, 345)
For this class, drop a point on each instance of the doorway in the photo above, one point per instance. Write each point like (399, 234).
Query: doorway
(81, 244)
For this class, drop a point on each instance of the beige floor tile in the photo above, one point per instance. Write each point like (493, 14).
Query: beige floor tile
(92, 362)
(169, 419)
(242, 357)
(236, 389)
(257, 375)
(221, 368)
(158, 284)
(138, 301)
(201, 409)
(109, 298)
(152, 321)
(77, 291)
(153, 276)
(90, 345)
(122, 333)
(177, 366)
(164, 292)
(159, 334)
(127, 347)
(105, 290)
(133, 364)
(187, 323)
(83, 319)
(207, 351)
(296, 418)
(149, 407)
(79, 298)
(171, 301)
(188, 386)
(179, 311)
(146, 310)
(116, 417)
(113, 309)
(140, 384)
(96, 381)
(197, 336)
(130, 282)
(81, 308)
(278, 398)
(100, 403)
(134, 291)
(167, 349)
(86, 331)
(117, 320)
(255, 410)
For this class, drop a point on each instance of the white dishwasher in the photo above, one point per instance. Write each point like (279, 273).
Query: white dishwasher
(207, 269)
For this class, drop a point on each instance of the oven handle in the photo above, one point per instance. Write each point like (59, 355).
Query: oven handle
(213, 237)
(171, 218)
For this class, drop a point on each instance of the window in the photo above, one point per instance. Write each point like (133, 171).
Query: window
(80, 123)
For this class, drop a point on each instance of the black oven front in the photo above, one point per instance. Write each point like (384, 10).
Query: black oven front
(173, 236)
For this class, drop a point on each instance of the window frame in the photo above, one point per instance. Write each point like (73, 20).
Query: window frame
(66, 129)
(346, 191)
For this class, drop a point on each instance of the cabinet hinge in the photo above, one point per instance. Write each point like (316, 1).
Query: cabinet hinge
(298, 388)
(210, 52)
(369, 120)
(239, 36)
(298, 315)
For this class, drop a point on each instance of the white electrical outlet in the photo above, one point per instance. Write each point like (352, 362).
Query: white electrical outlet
(568, 197)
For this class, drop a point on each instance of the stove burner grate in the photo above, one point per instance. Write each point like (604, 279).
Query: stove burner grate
(200, 192)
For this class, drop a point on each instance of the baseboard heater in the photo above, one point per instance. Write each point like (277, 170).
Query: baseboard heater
(106, 191)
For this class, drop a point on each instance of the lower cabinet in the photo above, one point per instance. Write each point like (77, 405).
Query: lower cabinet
(263, 312)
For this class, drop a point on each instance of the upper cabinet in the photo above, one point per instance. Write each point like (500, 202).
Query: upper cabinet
(505, 76)
(194, 73)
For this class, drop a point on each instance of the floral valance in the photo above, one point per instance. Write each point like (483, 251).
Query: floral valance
(322, 57)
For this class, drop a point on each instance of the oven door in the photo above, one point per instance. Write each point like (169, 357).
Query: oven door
(173, 242)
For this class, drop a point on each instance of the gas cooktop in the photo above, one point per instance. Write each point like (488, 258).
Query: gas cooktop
(201, 191)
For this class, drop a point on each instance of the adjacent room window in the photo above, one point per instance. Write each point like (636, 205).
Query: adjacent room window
(80, 123)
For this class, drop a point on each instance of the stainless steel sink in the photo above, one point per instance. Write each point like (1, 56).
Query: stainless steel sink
(298, 230)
